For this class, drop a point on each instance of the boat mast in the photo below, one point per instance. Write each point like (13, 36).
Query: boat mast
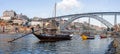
(55, 13)
(89, 24)
(55, 10)
(43, 26)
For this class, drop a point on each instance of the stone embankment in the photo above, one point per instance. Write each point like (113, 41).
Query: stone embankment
(12, 30)
(114, 47)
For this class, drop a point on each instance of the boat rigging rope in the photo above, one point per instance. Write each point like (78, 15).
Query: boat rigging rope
(22, 36)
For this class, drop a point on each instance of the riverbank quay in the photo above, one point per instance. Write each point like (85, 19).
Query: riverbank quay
(114, 47)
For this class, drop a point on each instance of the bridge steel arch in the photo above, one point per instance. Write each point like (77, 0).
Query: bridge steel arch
(109, 25)
(76, 16)
(93, 13)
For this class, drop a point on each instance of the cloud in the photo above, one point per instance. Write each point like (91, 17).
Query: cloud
(68, 4)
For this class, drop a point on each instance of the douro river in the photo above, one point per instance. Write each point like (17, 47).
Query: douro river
(31, 45)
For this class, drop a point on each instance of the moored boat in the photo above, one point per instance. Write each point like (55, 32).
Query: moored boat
(57, 37)
(86, 36)
(49, 33)
(103, 36)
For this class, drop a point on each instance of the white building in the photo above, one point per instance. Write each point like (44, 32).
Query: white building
(19, 21)
(35, 23)
(6, 18)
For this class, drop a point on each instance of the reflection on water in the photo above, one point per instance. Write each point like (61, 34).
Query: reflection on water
(31, 45)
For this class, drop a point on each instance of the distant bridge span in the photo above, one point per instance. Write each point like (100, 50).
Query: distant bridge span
(94, 15)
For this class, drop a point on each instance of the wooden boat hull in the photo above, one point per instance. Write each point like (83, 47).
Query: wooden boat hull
(45, 37)
(90, 38)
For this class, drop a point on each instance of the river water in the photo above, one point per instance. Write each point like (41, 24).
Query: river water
(31, 45)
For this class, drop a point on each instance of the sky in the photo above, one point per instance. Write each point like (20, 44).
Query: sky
(44, 8)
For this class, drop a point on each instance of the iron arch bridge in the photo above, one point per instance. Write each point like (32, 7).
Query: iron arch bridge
(94, 15)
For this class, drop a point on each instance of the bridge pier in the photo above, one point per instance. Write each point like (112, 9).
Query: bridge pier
(89, 24)
(115, 19)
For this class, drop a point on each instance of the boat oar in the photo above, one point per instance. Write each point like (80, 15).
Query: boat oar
(22, 36)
